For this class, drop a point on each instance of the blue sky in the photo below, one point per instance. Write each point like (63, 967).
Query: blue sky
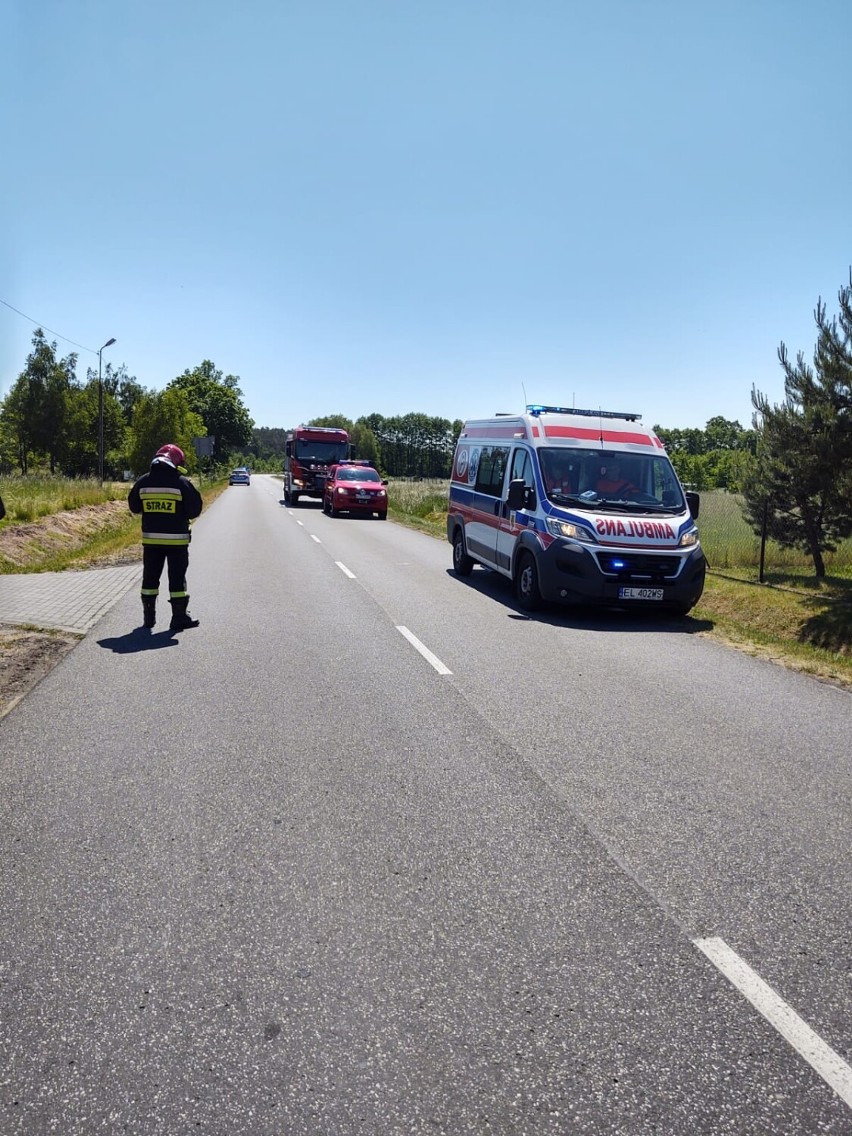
(448, 207)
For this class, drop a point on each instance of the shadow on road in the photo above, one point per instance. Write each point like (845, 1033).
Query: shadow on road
(498, 588)
(139, 639)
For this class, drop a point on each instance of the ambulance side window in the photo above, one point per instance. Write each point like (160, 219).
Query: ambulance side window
(492, 467)
(522, 468)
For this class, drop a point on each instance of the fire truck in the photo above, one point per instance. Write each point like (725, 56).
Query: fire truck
(309, 452)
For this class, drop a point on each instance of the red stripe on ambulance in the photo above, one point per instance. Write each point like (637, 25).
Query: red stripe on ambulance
(585, 435)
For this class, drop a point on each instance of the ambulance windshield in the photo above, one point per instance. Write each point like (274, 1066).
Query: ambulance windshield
(603, 479)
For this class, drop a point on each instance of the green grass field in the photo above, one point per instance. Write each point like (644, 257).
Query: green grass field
(729, 542)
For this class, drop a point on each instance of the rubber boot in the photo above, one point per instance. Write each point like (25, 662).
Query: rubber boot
(149, 610)
(181, 619)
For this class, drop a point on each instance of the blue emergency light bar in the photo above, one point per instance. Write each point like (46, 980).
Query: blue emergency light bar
(535, 409)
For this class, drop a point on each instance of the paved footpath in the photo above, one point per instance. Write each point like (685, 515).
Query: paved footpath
(65, 601)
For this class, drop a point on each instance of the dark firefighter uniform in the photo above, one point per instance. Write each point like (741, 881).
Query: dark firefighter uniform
(167, 501)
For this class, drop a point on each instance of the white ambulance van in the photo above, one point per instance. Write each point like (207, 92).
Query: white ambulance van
(575, 507)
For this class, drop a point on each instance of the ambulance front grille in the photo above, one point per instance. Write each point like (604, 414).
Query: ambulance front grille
(639, 566)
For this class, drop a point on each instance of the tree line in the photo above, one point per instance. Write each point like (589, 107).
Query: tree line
(420, 446)
(409, 445)
(50, 419)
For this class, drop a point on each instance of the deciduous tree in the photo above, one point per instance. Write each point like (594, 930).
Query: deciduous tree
(159, 418)
(217, 400)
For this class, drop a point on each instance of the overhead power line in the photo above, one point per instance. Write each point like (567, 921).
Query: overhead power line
(52, 332)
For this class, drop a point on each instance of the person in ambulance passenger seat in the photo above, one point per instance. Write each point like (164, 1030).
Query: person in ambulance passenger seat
(611, 483)
(557, 477)
(168, 502)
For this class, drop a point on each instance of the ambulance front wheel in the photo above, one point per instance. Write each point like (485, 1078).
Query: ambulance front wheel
(462, 563)
(527, 591)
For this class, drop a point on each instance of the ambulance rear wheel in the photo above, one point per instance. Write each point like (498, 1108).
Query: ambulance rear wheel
(527, 591)
(294, 498)
(462, 563)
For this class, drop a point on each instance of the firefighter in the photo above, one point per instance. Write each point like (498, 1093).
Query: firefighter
(168, 501)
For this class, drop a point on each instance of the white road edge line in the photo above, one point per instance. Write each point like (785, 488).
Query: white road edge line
(424, 651)
(345, 570)
(795, 1030)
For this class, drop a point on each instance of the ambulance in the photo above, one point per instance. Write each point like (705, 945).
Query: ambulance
(575, 507)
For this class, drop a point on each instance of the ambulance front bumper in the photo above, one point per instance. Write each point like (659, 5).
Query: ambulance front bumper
(574, 573)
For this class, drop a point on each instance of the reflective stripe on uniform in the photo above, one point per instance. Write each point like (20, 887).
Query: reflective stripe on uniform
(170, 540)
(160, 491)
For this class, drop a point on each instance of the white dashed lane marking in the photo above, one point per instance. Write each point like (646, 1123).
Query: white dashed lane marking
(424, 651)
(795, 1030)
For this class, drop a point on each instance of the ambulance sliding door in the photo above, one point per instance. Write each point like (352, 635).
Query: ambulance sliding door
(508, 531)
(481, 530)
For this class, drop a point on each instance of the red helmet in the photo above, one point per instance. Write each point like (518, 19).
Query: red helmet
(171, 454)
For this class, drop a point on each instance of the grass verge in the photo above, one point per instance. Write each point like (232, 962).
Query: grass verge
(94, 533)
(804, 623)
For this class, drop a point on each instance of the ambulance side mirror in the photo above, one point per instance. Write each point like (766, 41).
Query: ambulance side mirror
(520, 495)
(693, 501)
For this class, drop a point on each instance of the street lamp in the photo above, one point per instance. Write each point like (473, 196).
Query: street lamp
(108, 343)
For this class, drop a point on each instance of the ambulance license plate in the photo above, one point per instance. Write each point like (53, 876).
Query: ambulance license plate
(640, 593)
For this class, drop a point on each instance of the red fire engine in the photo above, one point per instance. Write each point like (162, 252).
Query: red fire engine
(308, 453)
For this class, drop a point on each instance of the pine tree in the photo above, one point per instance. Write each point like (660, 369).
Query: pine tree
(801, 478)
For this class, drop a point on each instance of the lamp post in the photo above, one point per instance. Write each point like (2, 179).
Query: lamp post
(108, 343)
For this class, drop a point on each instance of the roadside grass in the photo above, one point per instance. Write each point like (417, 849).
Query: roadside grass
(42, 495)
(805, 623)
(419, 504)
(91, 524)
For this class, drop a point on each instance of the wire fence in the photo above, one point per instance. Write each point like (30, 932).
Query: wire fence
(730, 542)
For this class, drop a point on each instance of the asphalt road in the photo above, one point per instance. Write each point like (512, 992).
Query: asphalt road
(371, 851)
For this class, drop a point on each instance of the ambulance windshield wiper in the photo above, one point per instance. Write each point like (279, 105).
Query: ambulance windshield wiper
(635, 506)
(574, 498)
(592, 500)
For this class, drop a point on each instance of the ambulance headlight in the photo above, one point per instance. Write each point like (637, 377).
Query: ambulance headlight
(570, 530)
(689, 539)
